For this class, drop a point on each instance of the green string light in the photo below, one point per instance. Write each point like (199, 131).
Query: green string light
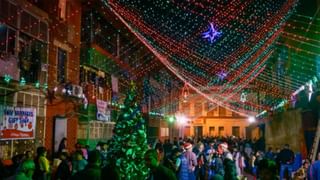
(7, 78)
(22, 82)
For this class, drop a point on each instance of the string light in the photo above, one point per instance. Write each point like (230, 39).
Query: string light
(174, 43)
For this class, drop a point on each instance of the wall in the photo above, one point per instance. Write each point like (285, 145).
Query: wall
(208, 115)
(216, 122)
(285, 128)
(64, 34)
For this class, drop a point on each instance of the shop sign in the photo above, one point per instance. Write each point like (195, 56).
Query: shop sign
(17, 122)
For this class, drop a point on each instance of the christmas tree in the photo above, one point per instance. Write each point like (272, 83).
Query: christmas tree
(128, 144)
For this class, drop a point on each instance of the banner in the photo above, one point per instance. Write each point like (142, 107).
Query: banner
(17, 122)
(102, 113)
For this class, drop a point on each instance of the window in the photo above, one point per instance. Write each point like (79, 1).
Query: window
(61, 71)
(8, 12)
(213, 112)
(236, 131)
(211, 131)
(7, 41)
(222, 111)
(31, 54)
(221, 131)
(33, 26)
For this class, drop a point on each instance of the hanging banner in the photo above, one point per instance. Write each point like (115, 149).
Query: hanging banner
(17, 123)
(102, 113)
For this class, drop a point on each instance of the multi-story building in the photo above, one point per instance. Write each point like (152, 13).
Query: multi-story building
(24, 39)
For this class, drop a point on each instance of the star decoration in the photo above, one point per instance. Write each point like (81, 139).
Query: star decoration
(222, 75)
(211, 34)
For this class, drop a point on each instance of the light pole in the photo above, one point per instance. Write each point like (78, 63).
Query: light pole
(181, 120)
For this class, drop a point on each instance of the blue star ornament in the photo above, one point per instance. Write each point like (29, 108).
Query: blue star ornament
(212, 34)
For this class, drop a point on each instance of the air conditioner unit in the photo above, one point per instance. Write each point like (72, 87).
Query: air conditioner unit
(77, 91)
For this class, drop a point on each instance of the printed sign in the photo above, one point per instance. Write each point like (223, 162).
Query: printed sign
(102, 113)
(17, 122)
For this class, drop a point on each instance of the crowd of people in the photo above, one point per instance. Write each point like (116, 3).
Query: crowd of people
(207, 158)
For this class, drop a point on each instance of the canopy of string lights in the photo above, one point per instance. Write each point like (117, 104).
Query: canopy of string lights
(243, 55)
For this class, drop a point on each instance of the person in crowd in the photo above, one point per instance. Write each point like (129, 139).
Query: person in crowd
(182, 166)
(62, 146)
(104, 154)
(239, 162)
(175, 142)
(191, 159)
(3, 171)
(78, 162)
(16, 162)
(167, 147)
(170, 160)
(301, 173)
(157, 171)
(286, 159)
(80, 147)
(314, 169)
(247, 149)
(63, 171)
(201, 161)
(269, 154)
(42, 170)
(228, 163)
(160, 151)
(93, 170)
(214, 162)
(25, 172)
(28, 155)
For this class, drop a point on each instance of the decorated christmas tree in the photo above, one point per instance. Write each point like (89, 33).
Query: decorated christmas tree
(128, 144)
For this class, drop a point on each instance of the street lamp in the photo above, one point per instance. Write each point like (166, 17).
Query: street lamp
(181, 120)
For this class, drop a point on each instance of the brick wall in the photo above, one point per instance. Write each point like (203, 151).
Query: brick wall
(64, 34)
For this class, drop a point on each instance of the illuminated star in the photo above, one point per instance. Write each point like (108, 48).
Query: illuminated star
(221, 75)
(211, 34)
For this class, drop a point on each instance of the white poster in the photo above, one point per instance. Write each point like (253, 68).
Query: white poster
(102, 112)
(17, 122)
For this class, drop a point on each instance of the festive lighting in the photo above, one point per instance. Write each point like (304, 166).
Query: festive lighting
(239, 55)
(171, 119)
(181, 119)
(211, 34)
(7, 78)
(251, 119)
(22, 82)
(243, 97)
(37, 84)
(45, 86)
(309, 90)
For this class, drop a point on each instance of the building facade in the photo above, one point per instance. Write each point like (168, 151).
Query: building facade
(24, 39)
(203, 118)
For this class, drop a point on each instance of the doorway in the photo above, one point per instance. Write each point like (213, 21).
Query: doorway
(198, 132)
